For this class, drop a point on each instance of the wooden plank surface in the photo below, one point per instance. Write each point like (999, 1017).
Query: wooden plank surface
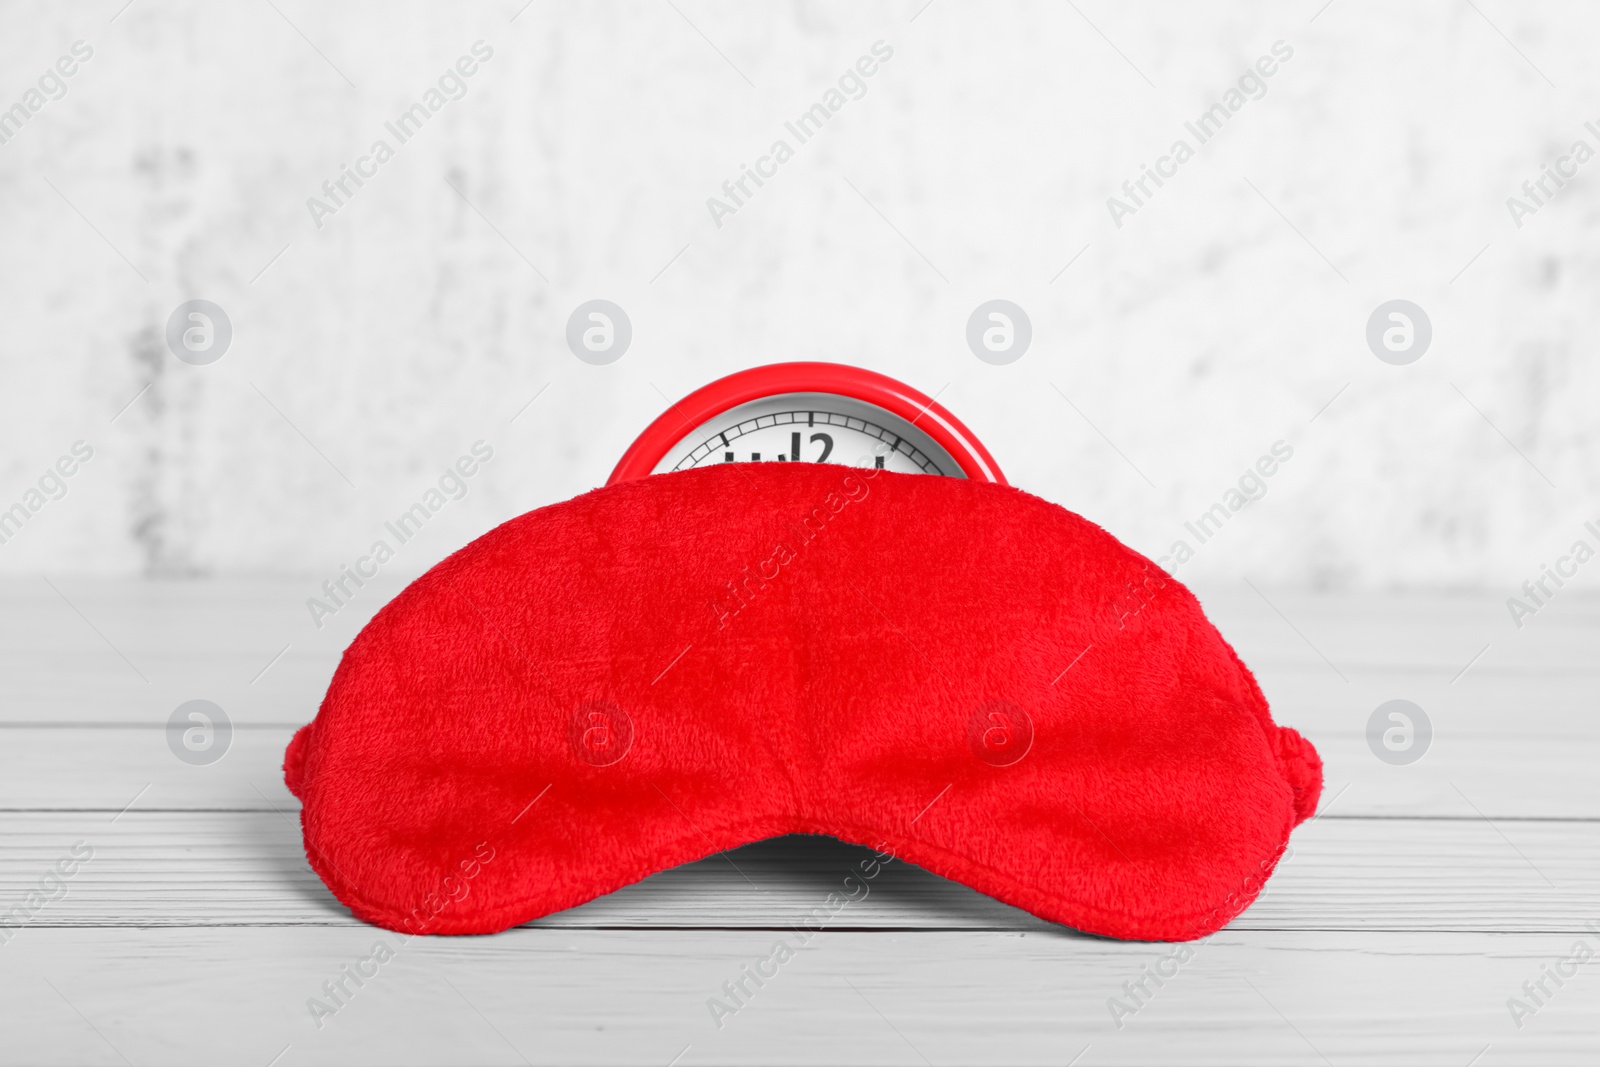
(247, 868)
(92, 653)
(239, 996)
(1406, 916)
(43, 768)
(99, 650)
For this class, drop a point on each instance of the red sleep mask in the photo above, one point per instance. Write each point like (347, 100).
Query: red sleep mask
(957, 673)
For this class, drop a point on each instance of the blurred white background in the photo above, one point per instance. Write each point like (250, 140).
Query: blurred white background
(1223, 316)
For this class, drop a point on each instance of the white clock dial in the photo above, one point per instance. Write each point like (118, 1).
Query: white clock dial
(811, 428)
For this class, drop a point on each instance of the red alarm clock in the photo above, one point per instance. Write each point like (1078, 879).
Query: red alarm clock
(812, 413)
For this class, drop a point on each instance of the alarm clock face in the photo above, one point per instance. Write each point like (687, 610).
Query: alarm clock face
(811, 428)
(809, 413)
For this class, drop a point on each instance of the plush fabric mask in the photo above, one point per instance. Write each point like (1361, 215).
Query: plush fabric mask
(957, 673)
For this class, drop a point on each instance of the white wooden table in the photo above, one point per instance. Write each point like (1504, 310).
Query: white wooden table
(1420, 900)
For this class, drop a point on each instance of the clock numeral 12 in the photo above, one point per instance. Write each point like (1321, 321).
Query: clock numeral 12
(794, 450)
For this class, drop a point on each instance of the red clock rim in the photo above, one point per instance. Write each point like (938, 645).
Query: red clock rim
(893, 396)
